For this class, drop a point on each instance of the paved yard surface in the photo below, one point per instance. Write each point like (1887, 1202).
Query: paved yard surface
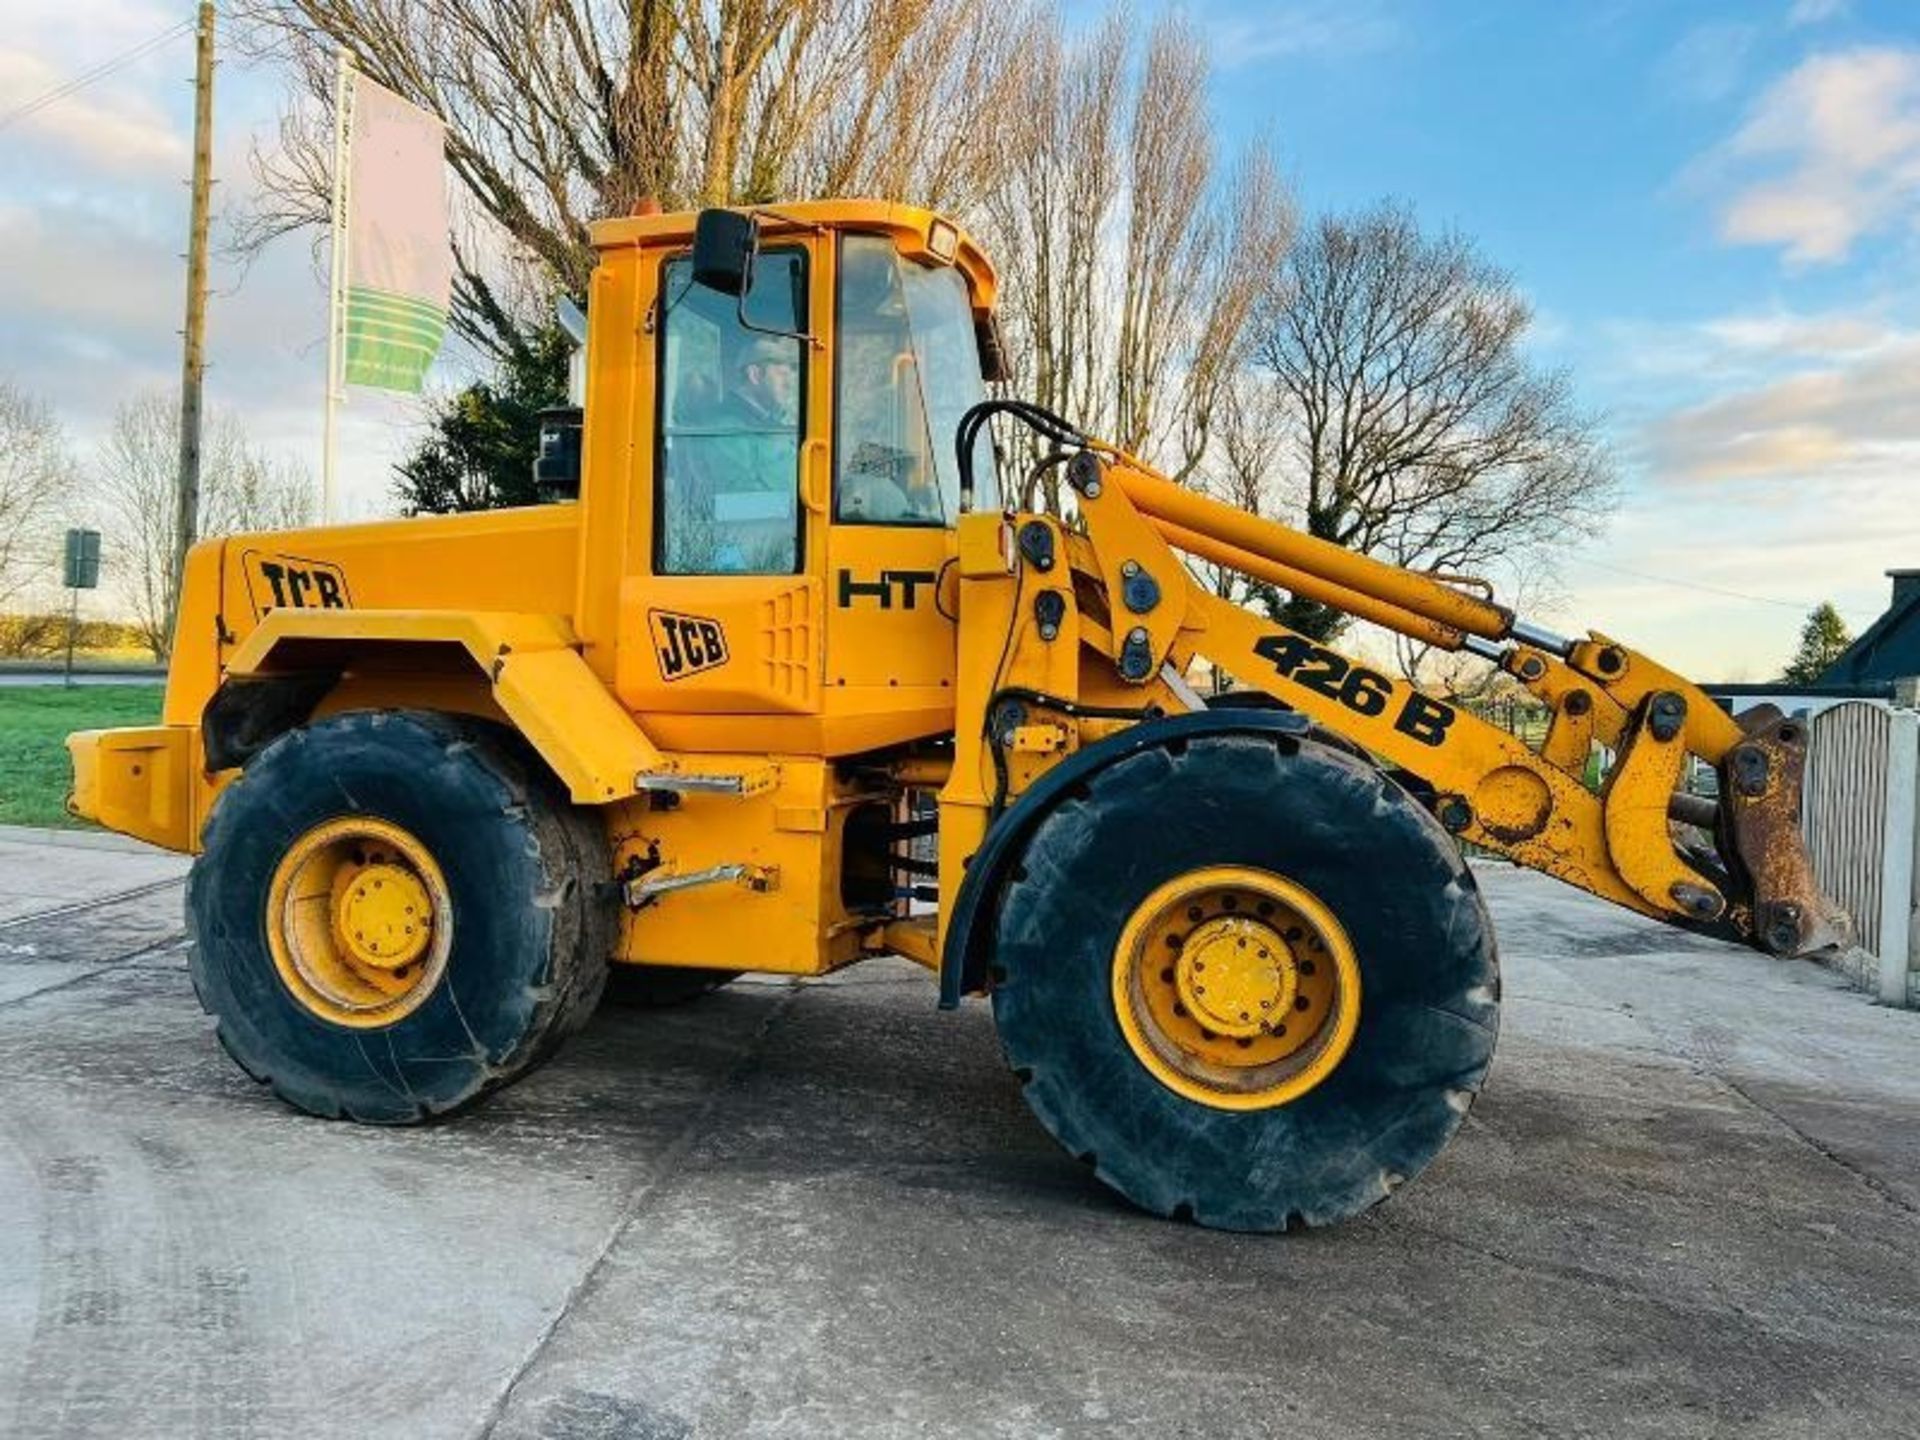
(1687, 1204)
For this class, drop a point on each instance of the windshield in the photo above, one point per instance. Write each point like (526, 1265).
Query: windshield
(909, 367)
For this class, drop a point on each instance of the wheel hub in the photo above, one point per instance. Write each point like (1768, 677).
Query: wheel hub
(359, 922)
(1236, 987)
(384, 917)
(1237, 976)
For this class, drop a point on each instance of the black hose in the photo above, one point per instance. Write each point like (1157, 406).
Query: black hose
(1035, 417)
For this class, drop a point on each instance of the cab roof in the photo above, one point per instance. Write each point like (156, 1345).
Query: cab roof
(921, 234)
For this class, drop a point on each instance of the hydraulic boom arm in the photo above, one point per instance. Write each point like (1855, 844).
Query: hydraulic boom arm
(1737, 867)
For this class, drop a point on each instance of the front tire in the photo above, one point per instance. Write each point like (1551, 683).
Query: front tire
(396, 913)
(1354, 1000)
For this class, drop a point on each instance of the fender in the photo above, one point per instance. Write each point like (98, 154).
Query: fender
(963, 962)
(533, 663)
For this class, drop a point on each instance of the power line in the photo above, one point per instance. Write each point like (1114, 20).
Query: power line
(1801, 606)
(97, 73)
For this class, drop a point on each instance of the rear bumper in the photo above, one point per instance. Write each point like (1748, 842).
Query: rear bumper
(142, 782)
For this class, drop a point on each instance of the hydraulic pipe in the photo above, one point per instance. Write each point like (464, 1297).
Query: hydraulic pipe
(922, 771)
(1163, 500)
(1299, 582)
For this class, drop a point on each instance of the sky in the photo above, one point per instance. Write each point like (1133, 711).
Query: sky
(1714, 208)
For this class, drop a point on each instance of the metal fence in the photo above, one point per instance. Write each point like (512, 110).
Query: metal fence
(1861, 802)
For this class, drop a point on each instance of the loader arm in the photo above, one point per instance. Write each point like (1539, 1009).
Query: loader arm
(1741, 871)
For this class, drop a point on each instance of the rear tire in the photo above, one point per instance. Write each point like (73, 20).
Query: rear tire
(1300, 817)
(454, 814)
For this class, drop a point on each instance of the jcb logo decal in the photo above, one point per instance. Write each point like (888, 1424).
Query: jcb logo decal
(686, 644)
(291, 582)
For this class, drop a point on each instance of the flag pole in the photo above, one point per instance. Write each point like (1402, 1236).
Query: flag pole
(336, 275)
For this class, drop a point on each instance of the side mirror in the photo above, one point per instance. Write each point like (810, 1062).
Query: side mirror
(723, 245)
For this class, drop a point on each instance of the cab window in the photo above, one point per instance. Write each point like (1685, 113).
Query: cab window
(731, 403)
(908, 369)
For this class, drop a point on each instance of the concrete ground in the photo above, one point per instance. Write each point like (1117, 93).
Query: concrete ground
(1688, 1203)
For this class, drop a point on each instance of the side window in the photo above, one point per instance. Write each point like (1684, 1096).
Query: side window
(726, 500)
(909, 369)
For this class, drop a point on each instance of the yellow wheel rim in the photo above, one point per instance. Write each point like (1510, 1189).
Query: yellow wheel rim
(1236, 988)
(359, 922)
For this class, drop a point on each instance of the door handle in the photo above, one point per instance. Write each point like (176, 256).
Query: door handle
(816, 477)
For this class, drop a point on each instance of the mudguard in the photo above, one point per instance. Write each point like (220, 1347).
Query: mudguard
(963, 963)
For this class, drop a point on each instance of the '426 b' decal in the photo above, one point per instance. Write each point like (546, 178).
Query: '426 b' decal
(1363, 691)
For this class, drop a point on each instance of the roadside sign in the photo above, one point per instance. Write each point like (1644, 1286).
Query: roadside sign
(83, 573)
(83, 559)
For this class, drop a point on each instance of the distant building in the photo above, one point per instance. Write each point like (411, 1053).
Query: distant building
(1890, 648)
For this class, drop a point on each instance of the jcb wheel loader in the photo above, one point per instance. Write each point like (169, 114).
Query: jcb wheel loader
(779, 683)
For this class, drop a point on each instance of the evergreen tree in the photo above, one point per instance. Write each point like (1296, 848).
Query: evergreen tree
(1822, 639)
(480, 453)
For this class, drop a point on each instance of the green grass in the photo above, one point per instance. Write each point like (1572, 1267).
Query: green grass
(34, 723)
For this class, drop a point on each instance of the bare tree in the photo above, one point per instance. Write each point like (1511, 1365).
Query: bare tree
(1239, 469)
(560, 112)
(1132, 262)
(241, 489)
(1417, 428)
(35, 471)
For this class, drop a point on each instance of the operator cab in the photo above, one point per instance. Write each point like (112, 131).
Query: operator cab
(909, 360)
(771, 427)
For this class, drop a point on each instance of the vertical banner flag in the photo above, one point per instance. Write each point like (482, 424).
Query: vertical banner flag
(399, 262)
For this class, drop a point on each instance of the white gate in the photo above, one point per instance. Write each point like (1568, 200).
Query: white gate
(1863, 765)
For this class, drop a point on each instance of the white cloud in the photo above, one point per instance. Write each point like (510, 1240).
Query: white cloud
(113, 130)
(1828, 155)
(55, 30)
(1851, 413)
(1777, 332)
(1708, 62)
(1774, 457)
(1815, 12)
(1715, 580)
(1301, 27)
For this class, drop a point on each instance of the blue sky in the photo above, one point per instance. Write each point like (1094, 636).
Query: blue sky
(1715, 208)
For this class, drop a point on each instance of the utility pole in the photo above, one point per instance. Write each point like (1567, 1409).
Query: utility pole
(193, 363)
(337, 274)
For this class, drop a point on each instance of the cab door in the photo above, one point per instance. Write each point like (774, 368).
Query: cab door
(721, 615)
(908, 369)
